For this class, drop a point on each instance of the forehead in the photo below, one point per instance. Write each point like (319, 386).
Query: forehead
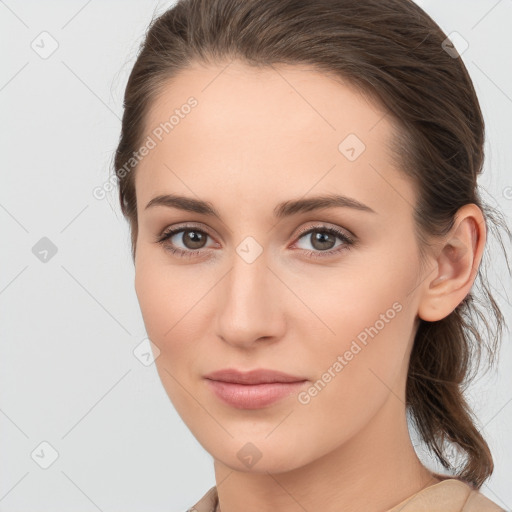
(288, 100)
(281, 130)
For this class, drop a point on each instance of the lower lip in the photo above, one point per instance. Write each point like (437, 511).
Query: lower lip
(253, 396)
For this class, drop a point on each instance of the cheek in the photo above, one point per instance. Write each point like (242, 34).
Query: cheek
(357, 372)
(164, 292)
(171, 299)
(158, 297)
(371, 318)
(164, 301)
(154, 299)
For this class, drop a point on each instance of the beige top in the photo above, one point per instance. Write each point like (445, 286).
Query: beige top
(450, 495)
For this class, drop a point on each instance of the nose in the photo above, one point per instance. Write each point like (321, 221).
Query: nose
(250, 305)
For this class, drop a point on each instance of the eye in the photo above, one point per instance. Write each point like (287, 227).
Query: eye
(323, 241)
(192, 238)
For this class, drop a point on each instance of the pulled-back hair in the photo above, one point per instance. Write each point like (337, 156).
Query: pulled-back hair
(392, 52)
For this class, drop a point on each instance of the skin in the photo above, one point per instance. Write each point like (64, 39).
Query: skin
(255, 139)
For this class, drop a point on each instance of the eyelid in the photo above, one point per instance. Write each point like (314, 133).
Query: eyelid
(319, 225)
(182, 227)
(343, 234)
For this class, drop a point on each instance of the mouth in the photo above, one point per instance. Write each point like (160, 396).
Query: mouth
(255, 389)
(258, 376)
(253, 396)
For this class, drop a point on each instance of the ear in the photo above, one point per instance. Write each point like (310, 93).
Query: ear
(455, 266)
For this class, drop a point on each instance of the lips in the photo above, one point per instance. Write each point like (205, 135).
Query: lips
(255, 389)
(258, 376)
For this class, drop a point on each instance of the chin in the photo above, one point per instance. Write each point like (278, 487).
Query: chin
(265, 456)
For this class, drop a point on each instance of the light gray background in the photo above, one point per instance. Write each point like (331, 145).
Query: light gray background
(69, 325)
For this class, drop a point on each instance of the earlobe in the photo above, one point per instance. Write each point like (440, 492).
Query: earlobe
(456, 264)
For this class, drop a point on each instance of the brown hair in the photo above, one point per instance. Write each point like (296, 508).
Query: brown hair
(395, 53)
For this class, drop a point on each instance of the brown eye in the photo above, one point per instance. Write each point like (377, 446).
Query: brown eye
(323, 240)
(184, 241)
(193, 238)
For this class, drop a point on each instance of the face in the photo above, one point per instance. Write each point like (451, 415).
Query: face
(327, 294)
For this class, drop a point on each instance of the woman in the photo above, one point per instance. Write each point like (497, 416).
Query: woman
(300, 179)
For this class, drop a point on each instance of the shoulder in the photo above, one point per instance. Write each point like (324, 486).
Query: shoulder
(477, 502)
(449, 495)
(208, 503)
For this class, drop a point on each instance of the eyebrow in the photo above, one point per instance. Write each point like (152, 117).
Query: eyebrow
(282, 210)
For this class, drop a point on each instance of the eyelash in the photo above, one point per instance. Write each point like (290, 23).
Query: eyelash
(347, 241)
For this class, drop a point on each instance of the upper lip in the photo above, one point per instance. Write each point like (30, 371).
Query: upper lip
(259, 376)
